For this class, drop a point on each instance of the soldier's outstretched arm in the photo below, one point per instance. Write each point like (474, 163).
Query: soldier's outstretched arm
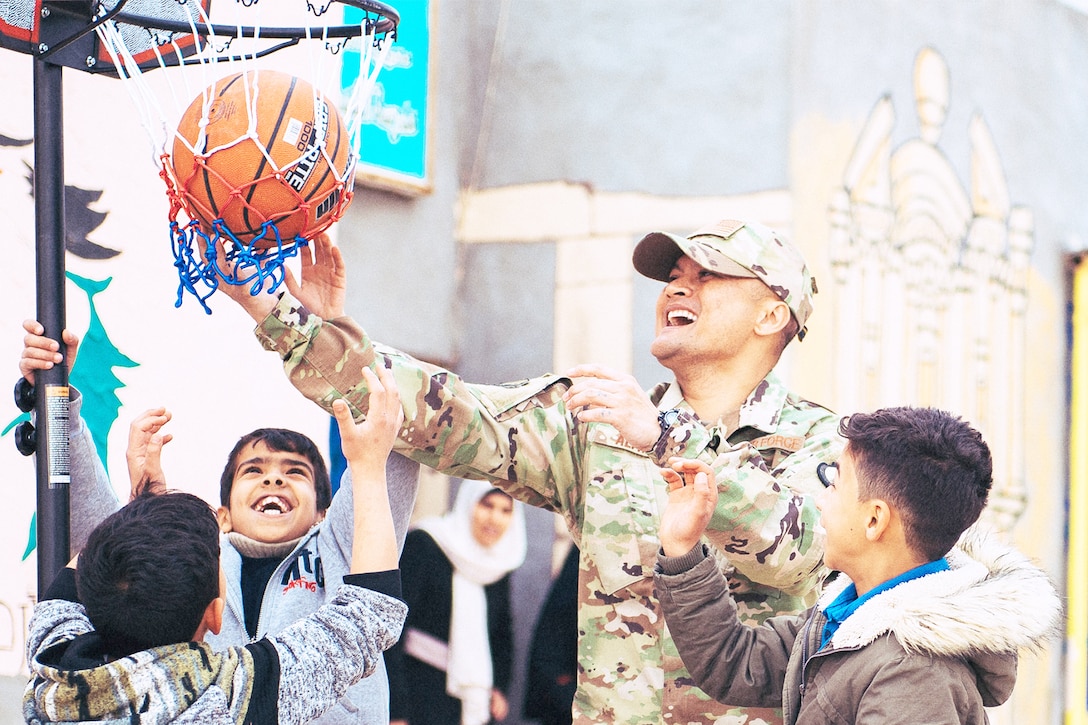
(521, 436)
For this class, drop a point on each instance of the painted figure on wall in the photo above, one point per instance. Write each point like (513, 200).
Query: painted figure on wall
(933, 273)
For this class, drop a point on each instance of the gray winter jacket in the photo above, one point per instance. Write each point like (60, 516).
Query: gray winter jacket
(940, 648)
(296, 588)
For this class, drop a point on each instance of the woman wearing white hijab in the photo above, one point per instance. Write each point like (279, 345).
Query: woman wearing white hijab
(453, 663)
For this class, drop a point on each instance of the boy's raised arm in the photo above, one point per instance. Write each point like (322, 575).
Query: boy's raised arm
(693, 495)
(92, 495)
(366, 447)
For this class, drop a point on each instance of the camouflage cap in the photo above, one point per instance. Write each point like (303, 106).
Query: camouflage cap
(735, 249)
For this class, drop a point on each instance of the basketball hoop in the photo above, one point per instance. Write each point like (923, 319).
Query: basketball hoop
(211, 243)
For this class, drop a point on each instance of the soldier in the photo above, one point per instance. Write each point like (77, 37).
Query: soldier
(588, 444)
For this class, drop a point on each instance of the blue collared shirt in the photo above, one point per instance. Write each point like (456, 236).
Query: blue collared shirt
(848, 601)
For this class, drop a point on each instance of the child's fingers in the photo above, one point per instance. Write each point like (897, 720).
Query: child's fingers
(672, 479)
(39, 358)
(680, 464)
(389, 387)
(37, 341)
(385, 375)
(153, 464)
(340, 411)
(345, 423)
(150, 421)
(706, 491)
(372, 379)
(384, 401)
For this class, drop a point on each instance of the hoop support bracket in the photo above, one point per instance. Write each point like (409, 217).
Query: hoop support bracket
(385, 22)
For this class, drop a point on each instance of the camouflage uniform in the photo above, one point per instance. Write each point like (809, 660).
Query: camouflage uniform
(522, 437)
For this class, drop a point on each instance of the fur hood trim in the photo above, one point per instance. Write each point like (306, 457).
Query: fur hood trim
(991, 600)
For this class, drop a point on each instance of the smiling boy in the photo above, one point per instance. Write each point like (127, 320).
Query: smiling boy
(277, 512)
(284, 536)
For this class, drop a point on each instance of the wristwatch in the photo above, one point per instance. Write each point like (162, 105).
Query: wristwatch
(667, 418)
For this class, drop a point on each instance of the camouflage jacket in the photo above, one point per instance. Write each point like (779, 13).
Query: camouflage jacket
(521, 437)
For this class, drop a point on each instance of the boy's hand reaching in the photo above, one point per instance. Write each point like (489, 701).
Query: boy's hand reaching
(692, 498)
(144, 452)
(42, 353)
(367, 444)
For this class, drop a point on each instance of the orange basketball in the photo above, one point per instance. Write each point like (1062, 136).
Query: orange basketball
(295, 169)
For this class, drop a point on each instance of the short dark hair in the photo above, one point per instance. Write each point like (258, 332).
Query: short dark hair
(280, 440)
(930, 464)
(150, 570)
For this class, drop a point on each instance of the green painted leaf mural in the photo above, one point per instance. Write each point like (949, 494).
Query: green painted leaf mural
(93, 372)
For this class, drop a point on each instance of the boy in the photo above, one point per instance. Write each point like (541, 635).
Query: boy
(284, 534)
(913, 630)
(119, 638)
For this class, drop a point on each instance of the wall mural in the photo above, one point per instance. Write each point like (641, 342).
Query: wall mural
(97, 356)
(932, 273)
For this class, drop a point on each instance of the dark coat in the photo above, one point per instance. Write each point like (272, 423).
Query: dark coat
(552, 674)
(417, 691)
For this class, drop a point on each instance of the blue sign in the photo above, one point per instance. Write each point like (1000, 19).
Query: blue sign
(393, 133)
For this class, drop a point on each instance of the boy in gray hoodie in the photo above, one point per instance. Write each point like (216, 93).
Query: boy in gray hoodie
(120, 637)
(284, 534)
(913, 627)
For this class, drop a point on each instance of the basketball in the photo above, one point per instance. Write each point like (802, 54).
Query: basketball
(263, 146)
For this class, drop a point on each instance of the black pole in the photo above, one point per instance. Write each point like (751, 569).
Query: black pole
(51, 386)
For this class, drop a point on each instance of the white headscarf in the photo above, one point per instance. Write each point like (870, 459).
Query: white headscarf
(468, 671)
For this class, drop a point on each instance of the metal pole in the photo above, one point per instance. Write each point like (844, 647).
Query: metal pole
(51, 386)
(1076, 622)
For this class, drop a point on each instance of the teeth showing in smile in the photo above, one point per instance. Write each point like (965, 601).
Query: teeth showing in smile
(680, 317)
(273, 505)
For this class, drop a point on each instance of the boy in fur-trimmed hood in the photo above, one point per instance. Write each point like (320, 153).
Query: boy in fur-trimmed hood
(915, 627)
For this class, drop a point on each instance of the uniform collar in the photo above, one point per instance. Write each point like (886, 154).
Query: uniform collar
(761, 409)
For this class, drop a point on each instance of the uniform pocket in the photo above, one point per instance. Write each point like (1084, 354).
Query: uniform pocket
(623, 504)
(510, 399)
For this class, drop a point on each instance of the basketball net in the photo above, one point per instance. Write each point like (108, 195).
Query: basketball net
(195, 52)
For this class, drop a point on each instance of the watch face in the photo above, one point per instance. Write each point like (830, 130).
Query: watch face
(669, 417)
